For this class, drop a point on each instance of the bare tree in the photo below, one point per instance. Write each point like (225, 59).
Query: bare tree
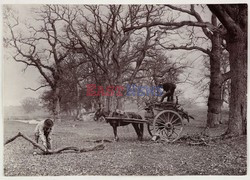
(212, 31)
(38, 46)
(97, 32)
(234, 18)
(217, 78)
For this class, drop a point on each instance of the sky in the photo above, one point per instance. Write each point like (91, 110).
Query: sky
(15, 80)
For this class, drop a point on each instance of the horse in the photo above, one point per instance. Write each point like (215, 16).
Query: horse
(116, 123)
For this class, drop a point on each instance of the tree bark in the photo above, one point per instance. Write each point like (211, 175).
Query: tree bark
(215, 87)
(238, 100)
(234, 18)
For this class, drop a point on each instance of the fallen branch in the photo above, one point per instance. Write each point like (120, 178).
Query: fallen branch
(100, 140)
(195, 140)
(47, 151)
(28, 139)
(201, 143)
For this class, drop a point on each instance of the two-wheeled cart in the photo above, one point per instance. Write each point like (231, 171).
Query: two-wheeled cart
(164, 120)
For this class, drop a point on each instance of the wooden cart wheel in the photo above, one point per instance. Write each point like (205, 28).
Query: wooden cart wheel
(168, 125)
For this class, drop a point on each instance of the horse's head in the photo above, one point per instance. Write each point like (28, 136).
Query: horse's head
(100, 114)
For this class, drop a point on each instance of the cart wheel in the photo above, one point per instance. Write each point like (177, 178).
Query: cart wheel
(168, 125)
(150, 129)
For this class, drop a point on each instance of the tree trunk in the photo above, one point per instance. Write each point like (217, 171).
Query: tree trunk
(56, 105)
(119, 103)
(78, 107)
(237, 48)
(118, 97)
(215, 87)
(234, 17)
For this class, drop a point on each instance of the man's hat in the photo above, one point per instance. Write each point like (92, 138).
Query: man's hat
(49, 122)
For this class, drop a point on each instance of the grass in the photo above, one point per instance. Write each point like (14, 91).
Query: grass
(126, 157)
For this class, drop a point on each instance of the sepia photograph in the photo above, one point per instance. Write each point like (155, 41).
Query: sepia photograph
(124, 89)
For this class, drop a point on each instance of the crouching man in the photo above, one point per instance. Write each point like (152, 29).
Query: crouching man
(43, 130)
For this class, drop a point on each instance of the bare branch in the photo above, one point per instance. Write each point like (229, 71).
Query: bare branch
(193, 13)
(37, 88)
(206, 51)
(174, 24)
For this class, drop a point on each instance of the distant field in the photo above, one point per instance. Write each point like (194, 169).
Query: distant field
(18, 113)
(126, 157)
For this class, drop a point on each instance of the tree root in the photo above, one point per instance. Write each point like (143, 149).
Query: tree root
(57, 151)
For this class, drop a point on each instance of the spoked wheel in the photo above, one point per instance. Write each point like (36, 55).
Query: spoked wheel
(168, 125)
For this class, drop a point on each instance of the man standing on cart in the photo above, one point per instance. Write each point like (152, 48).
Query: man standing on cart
(169, 88)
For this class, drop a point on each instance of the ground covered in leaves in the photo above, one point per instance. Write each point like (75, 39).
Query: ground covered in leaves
(126, 157)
